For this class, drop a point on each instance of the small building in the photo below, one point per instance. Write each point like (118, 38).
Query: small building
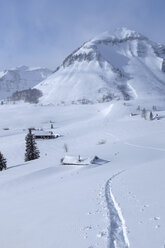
(157, 117)
(6, 128)
(45, 135)
(133, 114)
(77, 160)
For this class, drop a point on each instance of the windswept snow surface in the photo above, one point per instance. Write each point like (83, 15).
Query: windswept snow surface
(119, 204)
(122, 65)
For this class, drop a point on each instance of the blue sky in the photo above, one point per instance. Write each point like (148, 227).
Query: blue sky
(44, 32)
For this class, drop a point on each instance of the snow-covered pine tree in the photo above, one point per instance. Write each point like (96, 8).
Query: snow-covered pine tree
(32, 151)
(3, 162)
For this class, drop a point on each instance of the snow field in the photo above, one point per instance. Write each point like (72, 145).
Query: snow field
(45, 204)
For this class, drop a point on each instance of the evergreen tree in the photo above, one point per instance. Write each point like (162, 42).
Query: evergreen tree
(32, 151)
(154, 108)
(144, 113)
(151, 116)
(138, 108)
(3, 162)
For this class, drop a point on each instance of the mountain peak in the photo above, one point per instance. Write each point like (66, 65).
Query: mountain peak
(120, 65)
(122, 33)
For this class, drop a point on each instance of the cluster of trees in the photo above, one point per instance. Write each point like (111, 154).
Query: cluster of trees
(144, 112)
(31, 151)
(29, 95)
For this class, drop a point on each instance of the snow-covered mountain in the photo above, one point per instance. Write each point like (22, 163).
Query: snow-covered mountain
(20, 78)
(122, 65)
(119, 203)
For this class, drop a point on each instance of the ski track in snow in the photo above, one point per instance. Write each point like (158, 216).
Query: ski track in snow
(107, 110)
(117, 228)
(133, 90)
(11, 134)
(114, 136)
(137, 146)
(145, 147)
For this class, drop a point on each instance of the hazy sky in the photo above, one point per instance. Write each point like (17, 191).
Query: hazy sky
(44, 32)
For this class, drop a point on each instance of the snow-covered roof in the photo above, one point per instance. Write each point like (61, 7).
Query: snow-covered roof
(77, 160)
(42, 133)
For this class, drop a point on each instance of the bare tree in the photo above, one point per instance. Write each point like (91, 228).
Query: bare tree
(65, 147)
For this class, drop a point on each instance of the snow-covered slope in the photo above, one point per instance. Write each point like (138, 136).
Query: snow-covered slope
(122, 65)
(118, 204)
(20, 78)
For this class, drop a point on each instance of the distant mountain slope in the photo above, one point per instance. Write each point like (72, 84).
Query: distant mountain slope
(122, 65)
(20, 78)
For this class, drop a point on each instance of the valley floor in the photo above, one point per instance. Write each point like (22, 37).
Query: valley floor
(119, 204)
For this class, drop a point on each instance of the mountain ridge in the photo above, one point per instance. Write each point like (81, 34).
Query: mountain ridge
(108, 67)
(20, 78)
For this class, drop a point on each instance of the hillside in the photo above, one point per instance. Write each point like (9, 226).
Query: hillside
(118, 204)
(20, 78)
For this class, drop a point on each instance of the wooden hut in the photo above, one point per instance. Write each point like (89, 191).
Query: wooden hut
(45, 135)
